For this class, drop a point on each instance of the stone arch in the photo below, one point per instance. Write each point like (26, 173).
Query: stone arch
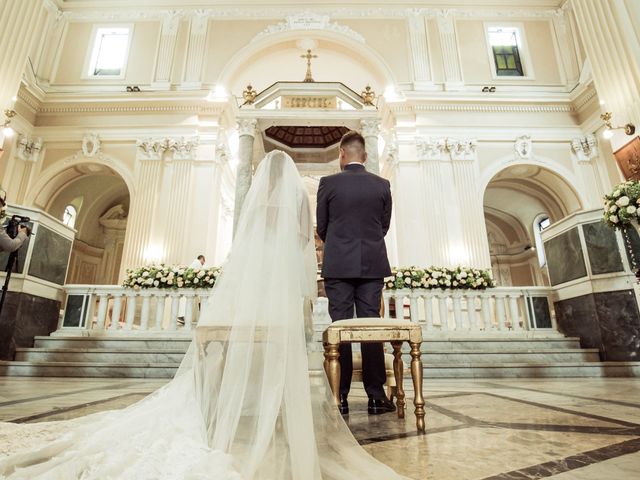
(332, 39)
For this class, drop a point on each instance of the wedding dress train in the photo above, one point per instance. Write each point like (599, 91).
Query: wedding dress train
(243, 408)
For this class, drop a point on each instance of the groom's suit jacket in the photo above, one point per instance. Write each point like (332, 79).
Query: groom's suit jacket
(353, 215)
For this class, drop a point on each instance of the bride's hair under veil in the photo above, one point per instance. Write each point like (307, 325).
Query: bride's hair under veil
(244, 406)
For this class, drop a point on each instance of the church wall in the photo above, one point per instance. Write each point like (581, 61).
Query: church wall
(476, 63)
(224, 39)
(389, 39)
(78, 41)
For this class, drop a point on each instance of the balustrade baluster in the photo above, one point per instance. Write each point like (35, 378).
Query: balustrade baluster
(175, 304)
(472, 318)
(427, 299)
(443, 312)
(399, 301)
(131, 310)
(487, 322)
(188, 311)
(115, 312)
(457, 311)
(514, 313)
(103, 303)
(413, 307)
(500, 311)
(160, 303)
(385, 299)
(144, 314)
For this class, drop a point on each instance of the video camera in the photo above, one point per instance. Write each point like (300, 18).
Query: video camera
(16, 221)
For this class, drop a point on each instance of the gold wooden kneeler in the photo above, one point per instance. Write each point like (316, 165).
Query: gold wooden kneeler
(378, 330)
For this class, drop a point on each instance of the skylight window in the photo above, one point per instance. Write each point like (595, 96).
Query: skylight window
(109, 52)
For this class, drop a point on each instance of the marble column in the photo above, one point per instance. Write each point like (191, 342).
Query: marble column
(449, 45)
(178, 173)
(166, 48)
(612, 44)
(419, 50)
(195, 52)
(22, 24)
(370, 130)
(434, 234)
(246, 133)
(473, 248)
(149, 167)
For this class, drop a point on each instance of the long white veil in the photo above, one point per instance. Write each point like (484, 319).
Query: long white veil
(243, 405)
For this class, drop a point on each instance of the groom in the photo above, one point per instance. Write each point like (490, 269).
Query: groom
(354, 211)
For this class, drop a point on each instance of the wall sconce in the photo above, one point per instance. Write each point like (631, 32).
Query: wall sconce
(629, 128)
(7, 131)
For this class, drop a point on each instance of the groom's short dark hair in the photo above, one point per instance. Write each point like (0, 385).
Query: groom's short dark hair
(351, 137)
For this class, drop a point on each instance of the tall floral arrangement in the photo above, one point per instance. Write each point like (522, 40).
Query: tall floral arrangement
(171, 277)
(439, 277)
(622, 205)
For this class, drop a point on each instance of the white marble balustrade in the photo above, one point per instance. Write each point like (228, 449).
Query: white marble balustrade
(114, 309)
(481, 312)
(111, 309)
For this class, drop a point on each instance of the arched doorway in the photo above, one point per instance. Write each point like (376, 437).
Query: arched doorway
(93, 199)
(519, 202)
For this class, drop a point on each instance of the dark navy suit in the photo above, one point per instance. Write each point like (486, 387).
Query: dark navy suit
(353, 215)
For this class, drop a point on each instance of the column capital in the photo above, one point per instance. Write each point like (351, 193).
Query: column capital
(431, 148)
(462, 148)
(585, 148)
(370, 127)
(155, 149)
(247, 126)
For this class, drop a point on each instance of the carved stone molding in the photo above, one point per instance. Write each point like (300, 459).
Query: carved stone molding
(523, 146)
(370, 127)
(431, 148)
(155, 149)
(585, 148)
(223, 155)
(247, 126)
(445, 148)
(28, 149)
(91, 144)
(309, 21)
(461, 148)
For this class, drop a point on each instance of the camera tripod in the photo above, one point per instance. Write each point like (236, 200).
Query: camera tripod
(11, 262)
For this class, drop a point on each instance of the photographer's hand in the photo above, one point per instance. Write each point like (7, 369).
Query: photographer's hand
(23, 229)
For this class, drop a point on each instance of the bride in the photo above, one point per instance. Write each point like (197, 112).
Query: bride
(243, 405)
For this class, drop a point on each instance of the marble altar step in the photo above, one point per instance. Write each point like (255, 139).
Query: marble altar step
(101, 355)
(167, 370)
(159, 356)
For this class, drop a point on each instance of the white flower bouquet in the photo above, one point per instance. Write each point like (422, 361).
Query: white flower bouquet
(439, 277)
(622, 205)
(171, 277)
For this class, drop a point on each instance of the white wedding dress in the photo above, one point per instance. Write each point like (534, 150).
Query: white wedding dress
(244, 408)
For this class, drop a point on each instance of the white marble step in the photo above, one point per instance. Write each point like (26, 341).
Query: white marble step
(87, 369)
(491, 343)
(538, 355)
(100, 355)
(503, 370)
(127, 343)
(532, 370)
(111, 356)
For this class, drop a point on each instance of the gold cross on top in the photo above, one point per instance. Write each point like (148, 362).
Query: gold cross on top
(308, 57)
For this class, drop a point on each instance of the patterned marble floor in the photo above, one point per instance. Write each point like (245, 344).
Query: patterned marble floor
(565, 429)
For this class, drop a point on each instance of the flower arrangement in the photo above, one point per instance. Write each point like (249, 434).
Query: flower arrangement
(163, 276)
(439, 277)
(622, 205)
